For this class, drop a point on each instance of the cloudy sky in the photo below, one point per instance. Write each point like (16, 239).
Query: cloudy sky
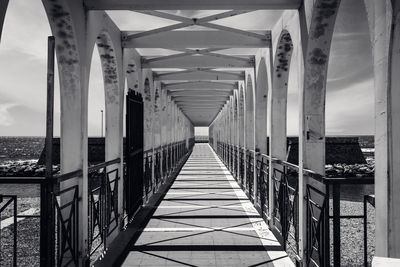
(349, 108)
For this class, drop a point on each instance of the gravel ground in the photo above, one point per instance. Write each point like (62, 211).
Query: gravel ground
(352, 234)
(27, 240)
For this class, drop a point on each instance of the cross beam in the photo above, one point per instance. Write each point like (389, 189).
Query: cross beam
(190, 62)
(199, 75)
(187, 39)
(190, 4)
(207, 85)
(199, 93)
(199, 100)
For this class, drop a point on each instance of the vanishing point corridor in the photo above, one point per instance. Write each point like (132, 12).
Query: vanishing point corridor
(205, 219)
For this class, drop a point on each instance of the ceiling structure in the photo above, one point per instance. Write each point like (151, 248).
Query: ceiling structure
(205, 60)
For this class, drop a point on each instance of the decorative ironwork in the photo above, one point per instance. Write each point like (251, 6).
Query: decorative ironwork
(67, 226)
(164, 163)
(147, 175)
(285, 212)
(10, 200)
(103, 205)
(157, 166)
(241, 166)
(250, 173)
(317, 227)
(262, 174)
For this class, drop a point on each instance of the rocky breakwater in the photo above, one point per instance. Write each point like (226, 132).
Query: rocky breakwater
(25, 168)
(350, 170)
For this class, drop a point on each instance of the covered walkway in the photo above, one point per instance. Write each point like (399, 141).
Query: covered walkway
(205, 219)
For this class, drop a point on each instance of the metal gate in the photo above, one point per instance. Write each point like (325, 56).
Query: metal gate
(134, 153)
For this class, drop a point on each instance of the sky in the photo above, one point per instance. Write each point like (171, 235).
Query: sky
(23, 52)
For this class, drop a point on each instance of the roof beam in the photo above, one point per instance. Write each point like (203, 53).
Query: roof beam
(201, 102)
(190, 4)
(199, 93)
(199, 75)
(200, 111)
(207, 85)
(206, 61)
(192, 39)
(199, 105)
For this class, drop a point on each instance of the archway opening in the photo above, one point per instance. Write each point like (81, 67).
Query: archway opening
(349, 122)
(23, 95)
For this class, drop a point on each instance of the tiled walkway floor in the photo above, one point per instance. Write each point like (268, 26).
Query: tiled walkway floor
(205, 219)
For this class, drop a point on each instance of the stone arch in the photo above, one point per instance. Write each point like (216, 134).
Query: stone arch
(156, 114)
(164, 116)
(315, 77)
(235, 116)
(70, 52)
(281, 67)
(261, 111)
(241, 117)
(113, 92)
(148, 111)
(132, 75)
(250, 127)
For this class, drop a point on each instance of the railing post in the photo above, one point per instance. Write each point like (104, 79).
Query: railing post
(336, 224)
(47, 207)
(271, 185)
(327, 244)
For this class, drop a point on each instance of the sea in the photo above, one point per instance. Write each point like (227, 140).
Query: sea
(15, 148)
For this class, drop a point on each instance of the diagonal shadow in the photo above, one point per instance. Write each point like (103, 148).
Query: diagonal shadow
(168, 259)
(268, 261)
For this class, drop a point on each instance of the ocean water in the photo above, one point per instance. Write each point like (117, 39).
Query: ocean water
(14, 148)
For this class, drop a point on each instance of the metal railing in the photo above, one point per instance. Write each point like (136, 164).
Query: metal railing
(147, 171)
(322, 205)
(103, 205)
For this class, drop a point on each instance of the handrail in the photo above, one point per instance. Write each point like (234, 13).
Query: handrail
(68, 175)
(104, 164)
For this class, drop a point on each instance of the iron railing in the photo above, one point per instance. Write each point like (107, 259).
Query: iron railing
(61, 221)
(323, 198)
(147, 171)
(250, 173)
(262, 176)
(60, 199)
(103, 205)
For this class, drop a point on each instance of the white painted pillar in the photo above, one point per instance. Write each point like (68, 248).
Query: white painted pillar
(384, 24)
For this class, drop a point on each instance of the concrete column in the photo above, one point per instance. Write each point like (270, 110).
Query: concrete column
(384, 24)
(164, 117)
(241, 117)
(169, 127)
(232, 130)
(73, 76)
(106, 35)
(312, 102)
(261, 106)
(157, 114)
(237, 134)
(147, 111)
